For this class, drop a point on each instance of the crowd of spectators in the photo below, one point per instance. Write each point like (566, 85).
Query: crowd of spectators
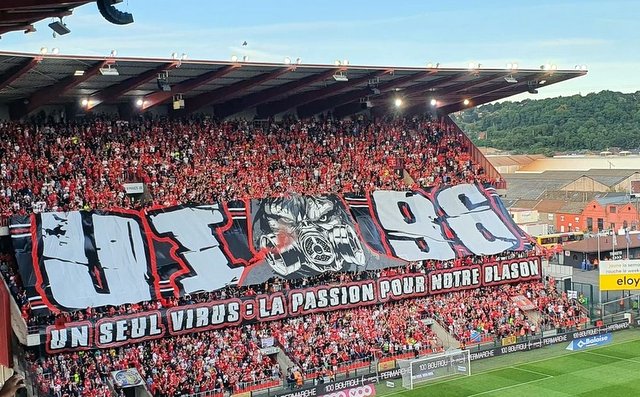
(212, 361)
(486, 313)
(84, 164)
(328, 341)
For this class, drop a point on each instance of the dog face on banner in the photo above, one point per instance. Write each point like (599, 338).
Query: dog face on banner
(306, 235)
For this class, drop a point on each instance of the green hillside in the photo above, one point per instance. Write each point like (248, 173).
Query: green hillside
(593, 122)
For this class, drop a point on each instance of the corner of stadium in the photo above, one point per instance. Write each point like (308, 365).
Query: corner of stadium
(190, 227)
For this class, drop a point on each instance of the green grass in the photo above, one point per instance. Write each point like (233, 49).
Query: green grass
(611, 370)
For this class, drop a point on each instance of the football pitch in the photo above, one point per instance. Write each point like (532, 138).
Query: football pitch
(611, 370)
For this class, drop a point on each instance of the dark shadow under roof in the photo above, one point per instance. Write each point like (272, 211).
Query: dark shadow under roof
(233, 87)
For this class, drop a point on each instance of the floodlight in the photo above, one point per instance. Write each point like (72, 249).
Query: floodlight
(298, 61)
(139, 102)
(174, 55)
(466, 102)
(433, 102)
(113, 53)
(59, 28)
(43, 50)
(245, 58)
(287, 61)
(84, 102)
(234, 58)
(398, 102)
(55, 50)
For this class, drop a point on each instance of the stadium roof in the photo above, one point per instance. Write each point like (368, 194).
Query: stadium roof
(30, 81)
(22, 14)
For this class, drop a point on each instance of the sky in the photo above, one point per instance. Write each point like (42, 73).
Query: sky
(600, 34)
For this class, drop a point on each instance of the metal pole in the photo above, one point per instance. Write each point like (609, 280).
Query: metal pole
(599, 290)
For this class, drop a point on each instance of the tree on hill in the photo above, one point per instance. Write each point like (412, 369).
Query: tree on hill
(597, 121)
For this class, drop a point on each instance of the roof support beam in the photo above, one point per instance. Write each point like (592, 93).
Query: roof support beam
(39, 4)
(236, 105)
(273, 108)
(207, 98)
(160, 97)
(328, 103)
(17, 71)
(112, 93)
(45, 95)
(458, 104)
(25, 16)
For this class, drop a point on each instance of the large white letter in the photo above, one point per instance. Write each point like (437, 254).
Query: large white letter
(193, 229)
(475, 223)
(409, 221)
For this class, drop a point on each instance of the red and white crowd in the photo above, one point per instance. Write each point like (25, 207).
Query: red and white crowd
(84, 164)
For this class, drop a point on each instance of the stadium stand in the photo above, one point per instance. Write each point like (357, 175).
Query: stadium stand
(62, 167)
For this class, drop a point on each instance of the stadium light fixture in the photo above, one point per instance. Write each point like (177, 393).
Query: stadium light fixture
(139, 102)
(245, 58)
(512, 66)
(55, 50)
(340, 77)
(473, 66)
(287, 61)
(183, 56)
(337, 62)
(298, 61)
(234, 58)
(466, 102)
(541, 82)
(78, 73)
(584, 67)
(433, 102)
(345, 62)
(113, 53)
(44, 50)
(174, 55)
(510, 79)
(398, 102)
(84, 102)
(109, 71)
(59, 27)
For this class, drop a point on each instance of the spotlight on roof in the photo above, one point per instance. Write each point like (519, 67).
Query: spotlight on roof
(139, 102)
(337, 62)
(44, 50)
(473, 66)
(397, 102)
(174, 55)
(55, 50)
(510, 79)
(245, 58)
(466, 102)
(84, 102)
(234, 58)
(59, 27)
(109, 71)
(183, 56)
(512, 66)
(340, 77)
(433, 102)
(287, 61)
(345, 62)
(298, 61)
(113, 53)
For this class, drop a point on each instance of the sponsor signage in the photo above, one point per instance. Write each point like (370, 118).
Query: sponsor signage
(133, 188)
(549, 340)
(590, 341)
(616, 275)
(64, 257)
(121, 330)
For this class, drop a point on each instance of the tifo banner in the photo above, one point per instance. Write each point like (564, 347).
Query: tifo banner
(617, 275)
(80, 259)
(120, 330)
